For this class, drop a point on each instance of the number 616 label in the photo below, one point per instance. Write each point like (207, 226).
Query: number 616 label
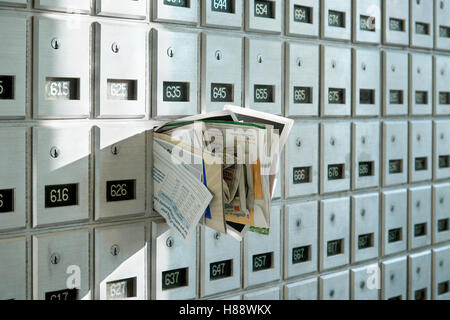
(120, 190)
(63, 195)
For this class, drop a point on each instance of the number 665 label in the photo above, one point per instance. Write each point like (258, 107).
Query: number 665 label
(120, 190)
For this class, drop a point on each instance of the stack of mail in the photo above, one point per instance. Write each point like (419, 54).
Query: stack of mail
(218, 169)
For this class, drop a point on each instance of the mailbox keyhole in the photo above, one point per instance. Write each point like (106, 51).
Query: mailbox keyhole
(56, 44)
(55, 258)
(54, 152)
(115, 250)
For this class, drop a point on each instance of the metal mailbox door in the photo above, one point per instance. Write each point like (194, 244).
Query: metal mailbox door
(366, 155)
(419, 276)
(120, 76)
(177, 11)
(61, 174)
(441, 150)
(441, 213)
(13, 269)
(421, 23)
(13, 66)
(336, 19)
(120, 175)
(364, 227)
(441, 276)
(263, 85)
(121, 263)
(15, 3)
(335, 157)
(394, 277)
(334, 233)
(300, 239)
(61, 68)
(303, 290)
(175, 87)
(335, 286)
(220, 267)
(75, 6)
(61, 266)
(13, 192)
(336, 81)
(302, 79)
(419, 217)
(420, 150)
(302, 167)
(395, 153)
(262, 253)
(394, 222)
(303, 18)
(441, 81)
(221, 72)
(135, 9)
(366, 82)
(365, 282)
(421, 88)
(174, 264)
(222, 13)
(442, 26)
(396, 22)
(367, 21)
(395, 83)
(263, 15)
(269, 294)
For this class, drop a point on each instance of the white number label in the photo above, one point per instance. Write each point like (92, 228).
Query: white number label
(58, 89)
(1, 87)
(118, 190)
(173, 92)
(171, 278)
(59, 195)
(220, 4)
(1, 201)
(261, 9)
(119, 90)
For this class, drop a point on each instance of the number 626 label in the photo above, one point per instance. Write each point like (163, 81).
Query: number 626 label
(120, 190)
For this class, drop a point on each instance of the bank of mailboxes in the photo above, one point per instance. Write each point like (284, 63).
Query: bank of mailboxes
(394, 279)
(175, 73)
(61, 89)
(136, 9)
(366, 82)
(120, 76)
(395, 83)
(442, 26)
(394, 216)
(262, 253)
(336, 80)
(441, 90)
(420, 150)
(120, 171)
(441, 150)
(365, 155)
(121, 262)
(367, 21)
(302, 164)
(302, 290)
(441, 213)
(302, 80)
(268, 294)
(173, 263)
(220, 262)
(335, 157)
(421, 23)
(13, 36)
(61, 165)
(175, 11)
(303, 18)
(263, 75)
(335, 286)
(364, 227)
(263, 15)
(221, 72)
(13, 270)
(396, 22)
(300, 239)
(61, 266)
(419, 217)
(421, 88)
(365, 282)
(219, 13)
(76, 6)
(395, 153)
(334, 242)
(419, 276)
(336, 19)
(13, 203)
(441, 276)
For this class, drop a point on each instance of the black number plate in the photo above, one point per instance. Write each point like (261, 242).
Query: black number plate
(62, 195)
(120, 190)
